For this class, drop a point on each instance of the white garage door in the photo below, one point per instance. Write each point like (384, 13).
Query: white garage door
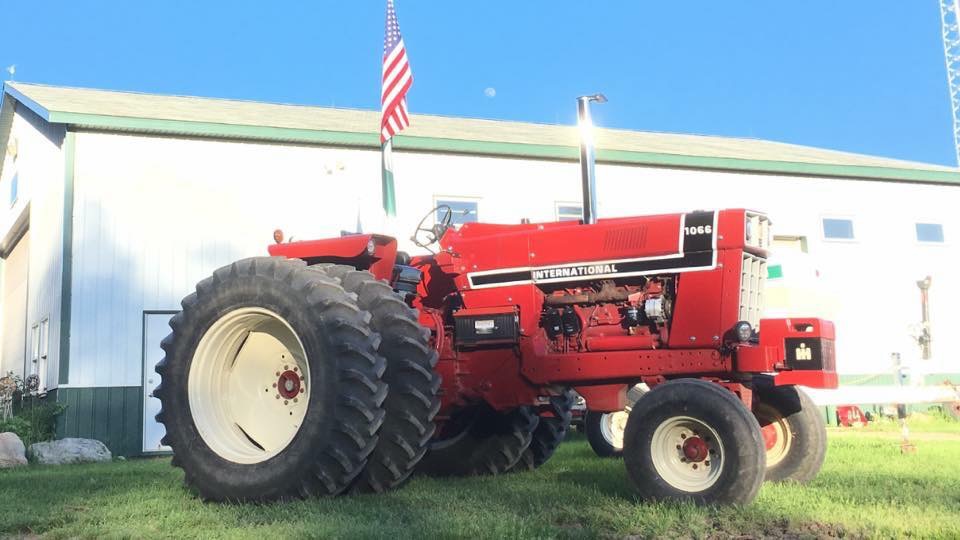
(15, 270)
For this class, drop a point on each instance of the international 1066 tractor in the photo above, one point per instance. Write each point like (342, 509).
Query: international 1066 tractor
(343, 365)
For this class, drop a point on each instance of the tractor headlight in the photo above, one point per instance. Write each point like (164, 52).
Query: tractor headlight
(371, 247)
(744, 331)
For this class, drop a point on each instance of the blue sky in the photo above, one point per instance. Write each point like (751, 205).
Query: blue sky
(854, 75)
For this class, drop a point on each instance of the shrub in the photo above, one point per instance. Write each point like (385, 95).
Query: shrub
(35, 421)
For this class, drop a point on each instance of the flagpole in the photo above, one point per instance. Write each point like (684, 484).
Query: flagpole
(386, 186)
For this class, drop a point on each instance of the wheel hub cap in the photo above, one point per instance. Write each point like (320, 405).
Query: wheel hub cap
(695, 449)
(769, 433)
(289, 384)
(687, 453)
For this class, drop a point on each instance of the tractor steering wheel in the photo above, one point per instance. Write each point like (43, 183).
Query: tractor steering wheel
(430, 235)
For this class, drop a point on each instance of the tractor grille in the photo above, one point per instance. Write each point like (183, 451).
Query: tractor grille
(753, 276)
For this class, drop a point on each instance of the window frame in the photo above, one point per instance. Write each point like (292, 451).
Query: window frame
(558, 204)
(916, 233)
(444, 199)
(14, 188)
(836, 217)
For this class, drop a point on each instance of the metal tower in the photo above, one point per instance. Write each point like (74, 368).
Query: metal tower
(949, 10)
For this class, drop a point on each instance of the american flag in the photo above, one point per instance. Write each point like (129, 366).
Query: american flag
(397, 79)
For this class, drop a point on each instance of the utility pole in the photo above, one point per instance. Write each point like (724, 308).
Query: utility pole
(949, 10)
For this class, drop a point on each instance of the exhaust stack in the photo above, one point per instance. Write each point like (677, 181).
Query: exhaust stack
(588, 157)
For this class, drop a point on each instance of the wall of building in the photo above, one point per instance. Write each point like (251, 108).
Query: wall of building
(154, 215)
(39, 169)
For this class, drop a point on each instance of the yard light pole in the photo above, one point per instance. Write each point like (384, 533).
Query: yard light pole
(588, 156)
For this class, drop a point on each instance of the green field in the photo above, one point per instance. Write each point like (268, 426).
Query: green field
(867, 488)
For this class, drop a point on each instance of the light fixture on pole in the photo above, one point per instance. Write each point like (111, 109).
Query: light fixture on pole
(588, 156)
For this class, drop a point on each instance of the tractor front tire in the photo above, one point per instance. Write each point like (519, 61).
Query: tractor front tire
(692, 440)
(605, 432)
(412, 401)
(271, 384)
(479, 440)
(794, 433)
(550, 432)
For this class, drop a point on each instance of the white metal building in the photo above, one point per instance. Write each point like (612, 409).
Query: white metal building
(113, 205)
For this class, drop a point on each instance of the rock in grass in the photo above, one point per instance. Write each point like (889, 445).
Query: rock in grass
(12, 451)
(67, 451)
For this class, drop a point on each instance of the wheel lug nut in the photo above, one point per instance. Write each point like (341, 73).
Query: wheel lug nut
(278, 374)
(278, 396)
(679, 447)
(683, 435)
(295, 368)
(302, 390)
(286, 368)
(302, 378)
(274, 385)
(294, 400)
(706, 463)
(285, 402)
(694, 466)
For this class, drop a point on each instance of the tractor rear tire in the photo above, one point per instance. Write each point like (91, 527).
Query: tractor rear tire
(412, 401)
(550, 432)
(695, 441)
(479, 440)
(271, 384)
(794, 431)
(605, 432)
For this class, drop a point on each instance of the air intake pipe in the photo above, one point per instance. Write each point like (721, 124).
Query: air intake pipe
(588, 157)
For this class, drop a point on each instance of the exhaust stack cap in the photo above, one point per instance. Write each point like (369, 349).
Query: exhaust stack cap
(588, 156)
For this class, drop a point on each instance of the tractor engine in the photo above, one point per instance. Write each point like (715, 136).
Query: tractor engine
(607, 316)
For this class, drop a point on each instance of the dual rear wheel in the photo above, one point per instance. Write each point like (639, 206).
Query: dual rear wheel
(284, 381)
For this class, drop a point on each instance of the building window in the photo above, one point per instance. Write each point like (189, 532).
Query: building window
(931, 233)
(569, 211)
(464, 210)
(838, 229)
(14, 188)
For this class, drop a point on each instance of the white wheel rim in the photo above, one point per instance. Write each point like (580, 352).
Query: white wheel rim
(669, 446)
(249, 385)
(612, 426)
(777, 437)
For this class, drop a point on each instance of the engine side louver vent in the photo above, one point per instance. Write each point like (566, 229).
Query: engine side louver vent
(630, 239)
(753, 277)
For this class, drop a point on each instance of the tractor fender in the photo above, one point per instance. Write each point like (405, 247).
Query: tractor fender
(373, 252)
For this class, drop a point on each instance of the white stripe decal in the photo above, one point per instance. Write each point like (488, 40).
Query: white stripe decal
(580, 271)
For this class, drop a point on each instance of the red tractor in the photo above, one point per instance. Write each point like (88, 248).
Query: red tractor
(342, 365)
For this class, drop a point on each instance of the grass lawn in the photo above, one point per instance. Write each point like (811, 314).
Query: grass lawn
(867, 488)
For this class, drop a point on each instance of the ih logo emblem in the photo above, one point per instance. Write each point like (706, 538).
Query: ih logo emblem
(803, 352)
